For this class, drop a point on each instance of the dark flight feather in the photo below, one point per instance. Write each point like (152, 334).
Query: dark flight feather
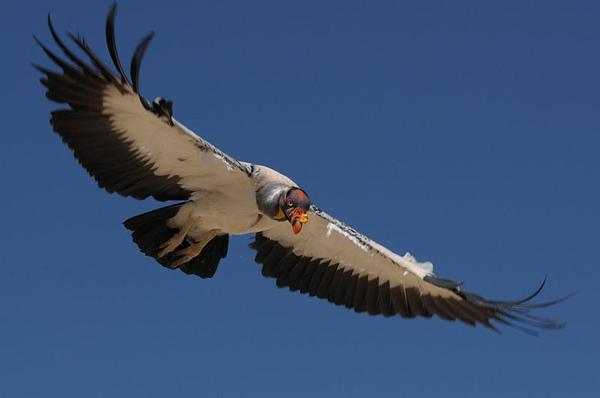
(324, 279)
(136, 63)
(111, 43)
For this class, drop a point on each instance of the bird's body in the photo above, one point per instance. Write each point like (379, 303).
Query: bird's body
(137, 148)
(236, 214)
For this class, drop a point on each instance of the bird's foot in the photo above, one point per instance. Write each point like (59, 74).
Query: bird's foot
(177, 239)
(193, 249)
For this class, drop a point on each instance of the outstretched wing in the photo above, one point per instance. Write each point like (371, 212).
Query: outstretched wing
(330, 260)
(129, 145)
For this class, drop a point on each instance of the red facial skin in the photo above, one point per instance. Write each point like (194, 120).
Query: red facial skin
(298, 219)
(294, 204)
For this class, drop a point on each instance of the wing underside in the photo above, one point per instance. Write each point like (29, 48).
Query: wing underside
(361, 275)
(129, 145)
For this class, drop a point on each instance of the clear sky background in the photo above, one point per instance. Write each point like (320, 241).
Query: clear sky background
(466, 133)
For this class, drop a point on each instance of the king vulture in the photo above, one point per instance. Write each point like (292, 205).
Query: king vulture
(137, 148)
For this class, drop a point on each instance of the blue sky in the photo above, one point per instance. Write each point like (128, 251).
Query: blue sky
(466, 133)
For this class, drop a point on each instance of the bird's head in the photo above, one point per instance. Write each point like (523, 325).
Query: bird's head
(294, 205)
(281, 202)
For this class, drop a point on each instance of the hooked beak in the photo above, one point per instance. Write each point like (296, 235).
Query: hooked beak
(298, 218)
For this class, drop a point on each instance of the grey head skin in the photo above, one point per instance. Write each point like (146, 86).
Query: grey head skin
(281, 202)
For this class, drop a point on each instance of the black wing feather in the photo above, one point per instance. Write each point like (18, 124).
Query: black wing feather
(136, 63)
(329, 280)
(111, 43)
(71, 55)
(88, 131)
(100, 66)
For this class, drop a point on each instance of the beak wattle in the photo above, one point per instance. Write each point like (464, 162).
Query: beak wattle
(298, 219)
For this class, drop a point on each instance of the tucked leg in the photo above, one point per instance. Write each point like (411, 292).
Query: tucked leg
(193, 249)
(177, 239)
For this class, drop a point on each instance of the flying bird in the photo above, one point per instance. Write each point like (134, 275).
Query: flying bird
(136, 147)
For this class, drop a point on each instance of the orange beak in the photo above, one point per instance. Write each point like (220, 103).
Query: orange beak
(298, 219)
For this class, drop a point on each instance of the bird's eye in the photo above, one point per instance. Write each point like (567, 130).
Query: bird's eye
(290, 203)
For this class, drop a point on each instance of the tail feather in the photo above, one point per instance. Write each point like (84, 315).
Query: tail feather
(205, 265)
(150, 230)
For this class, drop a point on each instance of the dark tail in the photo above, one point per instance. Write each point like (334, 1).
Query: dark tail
(150, 230)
